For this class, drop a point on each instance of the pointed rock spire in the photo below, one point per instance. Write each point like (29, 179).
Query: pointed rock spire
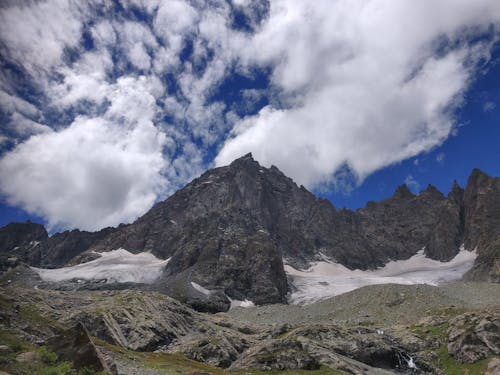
(456, 194)
(403, 192)
(432, 192)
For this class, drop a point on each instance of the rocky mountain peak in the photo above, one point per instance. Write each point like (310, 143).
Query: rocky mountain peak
(403, 192)
(432, 192)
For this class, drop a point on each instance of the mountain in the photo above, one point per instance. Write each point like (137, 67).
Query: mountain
(230, 233)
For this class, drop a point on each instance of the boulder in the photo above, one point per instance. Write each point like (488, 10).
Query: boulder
(75, 345)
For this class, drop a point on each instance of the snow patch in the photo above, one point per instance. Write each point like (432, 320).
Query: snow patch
(327, 279)
(117, 266)
(200, 289)
(237, 303)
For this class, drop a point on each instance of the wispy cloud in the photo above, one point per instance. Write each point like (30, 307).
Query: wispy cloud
(489, 106)
(412, 184)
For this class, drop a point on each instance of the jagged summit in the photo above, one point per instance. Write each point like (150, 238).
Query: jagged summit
(233, 229)
(403, 192)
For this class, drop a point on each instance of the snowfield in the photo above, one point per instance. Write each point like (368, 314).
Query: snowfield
(327, 279)
(117, 266)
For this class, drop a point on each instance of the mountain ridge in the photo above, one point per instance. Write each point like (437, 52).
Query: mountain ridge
(231, 229)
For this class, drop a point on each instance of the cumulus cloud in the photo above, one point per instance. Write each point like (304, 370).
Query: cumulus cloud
(364, 84)
(89, 175)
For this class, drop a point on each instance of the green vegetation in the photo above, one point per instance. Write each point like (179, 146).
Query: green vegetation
(437, 331)
(9, 338)
(445, 361)
(62, 368)
(448, 364)
(30, 315)
(46, 356)
(43, 362)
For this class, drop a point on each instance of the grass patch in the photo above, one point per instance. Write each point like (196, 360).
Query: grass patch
(437, 331)
(450, 366)
(10, 338)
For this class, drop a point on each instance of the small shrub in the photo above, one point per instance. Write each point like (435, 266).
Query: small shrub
(47, 356)
(63, 368)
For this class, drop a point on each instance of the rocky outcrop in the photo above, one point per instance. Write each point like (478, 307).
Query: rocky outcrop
(218, 348)
(142, 322)
(493, 367)
(278, 355)
(472, 337)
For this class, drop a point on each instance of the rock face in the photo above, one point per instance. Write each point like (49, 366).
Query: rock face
(231, 230)
(20, 234)
(60, 248)
(472, 337)
(17, 240)
(29, 242)
(482, 225)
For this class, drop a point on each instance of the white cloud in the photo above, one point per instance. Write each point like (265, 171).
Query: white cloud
(13, 104)
(440, 157)
(98, 171)
(89, 175)
(36, 33)
(25, 127)
(412, 183)
(361, 82)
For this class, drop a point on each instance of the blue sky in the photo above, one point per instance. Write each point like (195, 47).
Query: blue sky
(107, 107)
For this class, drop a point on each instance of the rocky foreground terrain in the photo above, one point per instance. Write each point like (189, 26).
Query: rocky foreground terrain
(382, 329)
